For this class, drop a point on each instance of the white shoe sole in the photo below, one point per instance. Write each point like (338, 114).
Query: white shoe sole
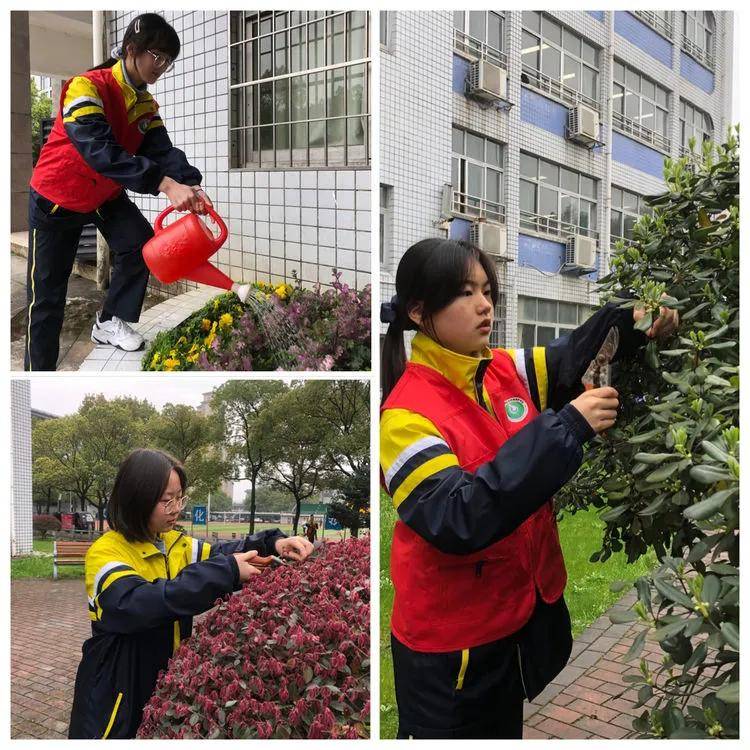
(107, 342)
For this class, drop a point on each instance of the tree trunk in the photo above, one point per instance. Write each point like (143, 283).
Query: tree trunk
(297, 511)
(355, 531)
(253, 480)
(100, 516)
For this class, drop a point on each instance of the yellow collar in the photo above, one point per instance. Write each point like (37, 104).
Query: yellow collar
(130, 92)
(147, 549)
(459, 369)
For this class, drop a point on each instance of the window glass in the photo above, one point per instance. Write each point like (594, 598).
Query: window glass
(551, 30)
(528, 166)
(527, 197)
(549, 173)
(529, 50)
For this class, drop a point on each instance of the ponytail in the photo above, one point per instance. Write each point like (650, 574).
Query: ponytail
(393, 356)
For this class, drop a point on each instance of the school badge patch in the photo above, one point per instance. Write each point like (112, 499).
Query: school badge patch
(516, 409)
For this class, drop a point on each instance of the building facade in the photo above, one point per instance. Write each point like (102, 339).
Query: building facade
(273, 108)
(21, 508)
(537, 135)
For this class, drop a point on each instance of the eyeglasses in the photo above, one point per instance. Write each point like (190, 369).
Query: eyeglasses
(175, 503)
(161, 61)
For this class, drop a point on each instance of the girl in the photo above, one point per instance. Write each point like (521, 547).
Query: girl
(145, 581)
(474, 444)
(108, 136)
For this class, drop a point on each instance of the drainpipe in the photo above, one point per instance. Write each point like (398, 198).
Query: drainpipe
(605, 234)
(100, 53)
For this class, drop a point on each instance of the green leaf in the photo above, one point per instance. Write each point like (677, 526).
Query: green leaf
(662, 473)
(620, 616)
(729, 693)
(697, 657)
(645, 322)
(617, 586)
(674, 352)
(716, 380)
(715, 452)
(688, 733)
(731, 634)
(653, 506)
(636, 646)
(655, 458)
(307, 674)
(722, 345)
(670, 592)
(711, 589)
(694, 311)
(645, 437)
(613, 513)
(670, 630)
(706, 474)
(706, 508)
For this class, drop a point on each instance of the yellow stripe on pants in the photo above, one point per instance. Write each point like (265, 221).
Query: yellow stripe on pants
(112, 717)
(462, 671)
(33, 298)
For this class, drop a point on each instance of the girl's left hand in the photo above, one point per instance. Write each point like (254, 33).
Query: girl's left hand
(205, 201)
(665, 325)
(294, 547)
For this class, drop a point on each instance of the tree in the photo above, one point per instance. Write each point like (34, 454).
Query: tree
(667, 477)
(343, 408)
(193, 439)
(296, 454)
(269, 499)
(241, 407)
(41, 109)
(220, 501)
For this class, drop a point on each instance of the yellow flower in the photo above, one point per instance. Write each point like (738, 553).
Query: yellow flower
(173, 352)
(170, 364)
(225, 320)
(181, 340)
(209, 339)
(281, 291)
(155, 359)
(205, 324)
(216, 304)
(193, 357)
(193, 348)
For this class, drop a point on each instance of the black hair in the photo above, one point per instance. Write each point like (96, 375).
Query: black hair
(140, 482)
(432, 273)
(148, 31)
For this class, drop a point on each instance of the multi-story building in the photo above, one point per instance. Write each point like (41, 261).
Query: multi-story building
(537, 135)
(273, 108)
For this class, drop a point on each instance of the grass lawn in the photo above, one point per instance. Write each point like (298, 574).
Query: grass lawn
(587, 593)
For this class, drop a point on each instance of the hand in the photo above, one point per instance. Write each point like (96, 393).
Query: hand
(182, 197)
(598, 407)
(244, 563)
(205, 201)
(665, 325)
(294, 547)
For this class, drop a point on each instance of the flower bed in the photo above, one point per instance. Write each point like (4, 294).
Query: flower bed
(287, 657)
(283, 327)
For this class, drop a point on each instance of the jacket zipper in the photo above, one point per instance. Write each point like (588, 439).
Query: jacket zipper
(520, 671)
(478, 568)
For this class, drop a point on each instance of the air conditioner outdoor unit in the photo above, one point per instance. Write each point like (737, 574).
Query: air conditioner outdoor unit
(580, 254)
(487, 81)
(583, 125)
(490, 237)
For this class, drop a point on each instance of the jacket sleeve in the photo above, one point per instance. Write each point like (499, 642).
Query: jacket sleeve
(460, 512)
(89, 131)
(125, 602)
(157, 146)
(263, 541)
(552, 374)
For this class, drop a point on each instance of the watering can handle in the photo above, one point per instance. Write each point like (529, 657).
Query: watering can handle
(223, 231)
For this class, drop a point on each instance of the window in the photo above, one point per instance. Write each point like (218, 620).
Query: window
(477, 176)
(480, 33)
(626, 209)
(541, 320)
(558, 61)
(497, 335)
(385, 220)
(640, 106)
(300, 85)
(698, 29)
(556, 200)
(660, 20)
(694, 123)
(384, 29)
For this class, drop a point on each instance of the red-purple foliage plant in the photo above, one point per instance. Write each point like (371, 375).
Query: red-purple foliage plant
(286, 657)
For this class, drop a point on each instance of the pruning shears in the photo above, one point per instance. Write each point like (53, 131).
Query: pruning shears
(599, 372)
(267, 562)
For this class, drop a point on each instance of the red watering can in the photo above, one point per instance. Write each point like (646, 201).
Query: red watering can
(182, 250)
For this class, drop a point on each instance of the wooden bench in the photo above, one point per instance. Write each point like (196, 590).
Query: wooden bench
(68, 553)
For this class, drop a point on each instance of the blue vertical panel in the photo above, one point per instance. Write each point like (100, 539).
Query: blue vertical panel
(459, 230)
(627, 151)
(644, 37)
(545, 255)
(691, 70)
(461, 70)
(597, 14)
(542, 112)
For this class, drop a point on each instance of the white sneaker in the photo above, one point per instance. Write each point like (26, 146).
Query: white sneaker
(116, 332)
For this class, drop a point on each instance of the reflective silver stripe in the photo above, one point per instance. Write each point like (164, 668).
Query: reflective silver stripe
(520, 357)
(196, 549)
(408, 452)
(92, 603)
(81, 100)
(104, 570)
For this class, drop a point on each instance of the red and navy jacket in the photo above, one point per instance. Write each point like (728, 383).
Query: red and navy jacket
(108, 135)
(472, 451)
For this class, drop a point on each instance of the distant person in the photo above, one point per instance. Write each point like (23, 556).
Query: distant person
(108, 137)
(145, 581)
(311, 529)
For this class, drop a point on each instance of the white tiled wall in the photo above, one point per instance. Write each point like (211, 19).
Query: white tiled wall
(21, 492)
(281, 222)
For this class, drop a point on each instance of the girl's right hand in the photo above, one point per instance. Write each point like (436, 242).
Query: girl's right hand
(247, 569)
(182, 197)
(598, 407)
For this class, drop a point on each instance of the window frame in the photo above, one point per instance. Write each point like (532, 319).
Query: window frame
(333, 121)
(703, 49)
(472, 46)
(583, 313)
(620, 208)
(706, 135)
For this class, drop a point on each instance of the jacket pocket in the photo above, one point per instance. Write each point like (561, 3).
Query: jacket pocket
(112, 717)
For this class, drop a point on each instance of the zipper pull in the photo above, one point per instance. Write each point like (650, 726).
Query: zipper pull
(478, 569)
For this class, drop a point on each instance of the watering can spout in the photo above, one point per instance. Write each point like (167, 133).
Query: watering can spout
(242, 291)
